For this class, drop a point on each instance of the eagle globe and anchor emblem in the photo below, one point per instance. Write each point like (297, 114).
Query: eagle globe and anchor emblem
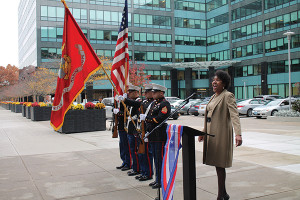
(64, 73)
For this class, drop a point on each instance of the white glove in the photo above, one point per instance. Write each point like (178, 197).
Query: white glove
(117, 97)
(116, 111)
(129, 118)
(146, 140)
(125, 95)
(121, 98)
(142, 117)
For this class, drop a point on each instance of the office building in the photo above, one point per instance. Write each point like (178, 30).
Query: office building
(166, 32)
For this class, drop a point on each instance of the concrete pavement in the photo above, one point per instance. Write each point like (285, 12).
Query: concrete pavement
(37, 163)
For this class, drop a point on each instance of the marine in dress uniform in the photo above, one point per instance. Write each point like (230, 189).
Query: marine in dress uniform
(123, 142)
(160, 110)
(133, 104)
(147, 157)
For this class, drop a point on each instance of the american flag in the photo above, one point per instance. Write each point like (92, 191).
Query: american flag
(170, 160)
(121, 57)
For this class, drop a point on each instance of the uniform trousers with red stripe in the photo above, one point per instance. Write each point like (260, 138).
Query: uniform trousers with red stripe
(133, 144)
(146, 161)
(158, 154)
(124, 149)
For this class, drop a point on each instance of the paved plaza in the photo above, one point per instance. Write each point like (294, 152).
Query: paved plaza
(37, 163)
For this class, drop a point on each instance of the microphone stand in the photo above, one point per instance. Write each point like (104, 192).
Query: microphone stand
(174, 112)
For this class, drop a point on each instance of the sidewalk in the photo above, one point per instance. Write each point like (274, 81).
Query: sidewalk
(37, 163)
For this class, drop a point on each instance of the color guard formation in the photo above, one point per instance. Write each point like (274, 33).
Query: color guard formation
(136, 152)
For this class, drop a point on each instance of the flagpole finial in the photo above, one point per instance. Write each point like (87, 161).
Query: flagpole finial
(63, 1)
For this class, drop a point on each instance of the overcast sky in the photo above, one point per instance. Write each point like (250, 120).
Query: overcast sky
(9, 32)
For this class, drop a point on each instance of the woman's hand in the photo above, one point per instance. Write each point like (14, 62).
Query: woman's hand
(200, 138)
(238, 140)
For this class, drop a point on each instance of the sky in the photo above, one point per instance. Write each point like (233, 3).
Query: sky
(9, 32)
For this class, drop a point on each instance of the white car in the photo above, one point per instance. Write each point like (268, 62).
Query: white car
(109, 104)
(270, 108)
(246, 107)
(202, 108)
(176, 103)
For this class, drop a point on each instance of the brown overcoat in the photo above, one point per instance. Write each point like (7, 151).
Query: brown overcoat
(218, 150)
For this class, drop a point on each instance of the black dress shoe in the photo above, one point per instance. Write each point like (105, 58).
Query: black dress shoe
(157, 185)
(138, 176)
(156, 198)
(145, 178)
(120, 167)
(125, 168)
(226, 197)
(152, 183)
(132, 173)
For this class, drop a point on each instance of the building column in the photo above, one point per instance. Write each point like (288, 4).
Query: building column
(231, 74)
(188, 81)
(264, 78)
(89, 92)
(211, 74)
(174, 83)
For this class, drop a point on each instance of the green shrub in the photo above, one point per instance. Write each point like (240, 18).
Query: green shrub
(296, 106)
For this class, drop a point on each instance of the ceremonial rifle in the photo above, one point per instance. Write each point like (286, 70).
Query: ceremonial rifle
(174, 112)
(142, 143)
(115, 132)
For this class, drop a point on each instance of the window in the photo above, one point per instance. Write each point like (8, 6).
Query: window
(218, 20)
(246, 10)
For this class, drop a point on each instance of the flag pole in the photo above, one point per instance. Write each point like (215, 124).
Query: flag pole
(125, 91)
(63, 1)
(115, 89)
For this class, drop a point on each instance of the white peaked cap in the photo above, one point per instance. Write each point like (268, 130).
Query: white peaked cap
(158, 87)
(133, 87)
(148, 87)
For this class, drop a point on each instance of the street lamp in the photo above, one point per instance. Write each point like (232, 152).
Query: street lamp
(164, 74)
(289, 34)
(245, 93)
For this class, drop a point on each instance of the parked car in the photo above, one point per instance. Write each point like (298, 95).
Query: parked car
(246, 107)
(171, 99)
(176, 115)
(177, 103)
(202, 108)
(185, 109)
(270, 108)
(194, 109)
(268, 97)
(109, 104)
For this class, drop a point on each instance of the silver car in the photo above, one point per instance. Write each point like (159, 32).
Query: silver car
(246, 107)
(270, 108)
(109, 104)
(202, 108)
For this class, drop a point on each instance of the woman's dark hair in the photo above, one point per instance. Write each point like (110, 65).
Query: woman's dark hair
(225, 78)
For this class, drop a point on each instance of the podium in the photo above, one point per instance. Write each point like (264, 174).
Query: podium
(188, 162)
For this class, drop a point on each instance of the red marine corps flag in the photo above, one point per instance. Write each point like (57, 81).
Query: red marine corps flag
(79, 62)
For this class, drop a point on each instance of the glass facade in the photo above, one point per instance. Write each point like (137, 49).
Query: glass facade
(166, 31)
(247, 10)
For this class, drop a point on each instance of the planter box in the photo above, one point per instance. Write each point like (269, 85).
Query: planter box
(13, 108)
(40, 113)
(18, 108)
(9, 106)
(6, 106)
(24, 111)
(28, 116)
(77, 121)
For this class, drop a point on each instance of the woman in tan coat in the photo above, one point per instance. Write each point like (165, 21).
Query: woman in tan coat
(221, 117)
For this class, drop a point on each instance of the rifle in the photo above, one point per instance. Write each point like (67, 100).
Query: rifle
(175, 111)
(142, 143)
(115, 133)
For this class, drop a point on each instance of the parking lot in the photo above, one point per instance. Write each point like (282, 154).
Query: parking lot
(39, 163)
